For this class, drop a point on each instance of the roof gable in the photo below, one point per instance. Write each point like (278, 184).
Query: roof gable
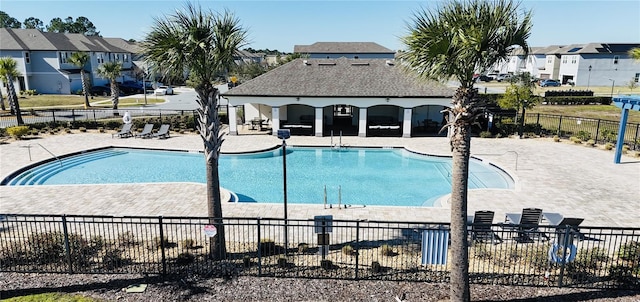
(34, 40)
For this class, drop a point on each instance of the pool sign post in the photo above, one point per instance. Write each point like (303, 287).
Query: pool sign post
(283, 134)
(210, 230)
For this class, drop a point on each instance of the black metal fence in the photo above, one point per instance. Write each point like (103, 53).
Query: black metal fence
(92, 115)
(585, 129)
(593, 257)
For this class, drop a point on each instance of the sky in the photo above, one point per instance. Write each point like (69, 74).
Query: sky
(279, 25)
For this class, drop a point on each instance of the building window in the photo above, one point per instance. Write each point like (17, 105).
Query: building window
(574, 59)
(64, 56)
(615, 59)
(27, 57)
(636, 78)
(100, 58)
(125, 57)
(549, 60)
(564, 60)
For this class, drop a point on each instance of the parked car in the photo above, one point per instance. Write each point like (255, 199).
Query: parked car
(485, 78)
(503, 77)
(101, 90)
(163, 90)
(131, 87)
(549, 83)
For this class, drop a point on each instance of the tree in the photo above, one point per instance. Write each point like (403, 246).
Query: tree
(634, 53)
(34, 23)
(7, 21)
(9, 71)
(204, 43)
(456, 40)
(111, 71)
(519, 95)
(290, 57)
(81, 59)
(81, 25)
(632, 84)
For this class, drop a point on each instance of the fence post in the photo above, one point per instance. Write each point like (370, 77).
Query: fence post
(73, 116)
(559, 133)
(357, 244)
(635, 140)
(67, 248)
(597, 131)
(164, 258)
(565, 246)
(259, 250)
(53, 115)
(538, 124)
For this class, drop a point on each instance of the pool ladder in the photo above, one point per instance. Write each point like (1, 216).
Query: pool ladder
(339, 146)
(340, 205)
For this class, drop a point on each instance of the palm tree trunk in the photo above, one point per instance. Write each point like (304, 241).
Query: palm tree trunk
(114, 94)
(217, 243)
(461, 149)
(13, 100)
(2, 107)
(85, 89)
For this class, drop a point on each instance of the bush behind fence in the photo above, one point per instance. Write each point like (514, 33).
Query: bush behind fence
(594, 257)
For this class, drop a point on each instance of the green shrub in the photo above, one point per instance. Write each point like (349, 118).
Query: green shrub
(46, 247)
(591, 143)
(556, 138)
(486, 134)
(282, 262)
(18, 132)
(376, 267)
(267, 247)
(188, 243)
(575, 140)
(588, 259)
(185, 258)
(608, 135)
(482, 251)
(630, 251)
(608, 146)
(160, 242)
(303, 248)
(386, 250)
(127, 239)
(625, 149)
(348, 250)
(584, 135)
(113, 259)
(326, 264)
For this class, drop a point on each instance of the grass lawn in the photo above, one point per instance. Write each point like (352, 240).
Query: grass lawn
(597, 90)
(51, 297)
(69, 101)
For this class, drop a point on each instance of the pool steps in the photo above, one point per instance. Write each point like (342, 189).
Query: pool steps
(41, 174)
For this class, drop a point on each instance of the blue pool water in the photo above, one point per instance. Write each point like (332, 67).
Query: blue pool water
(362, 176)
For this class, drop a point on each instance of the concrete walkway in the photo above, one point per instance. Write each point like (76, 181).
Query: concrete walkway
(576, 181)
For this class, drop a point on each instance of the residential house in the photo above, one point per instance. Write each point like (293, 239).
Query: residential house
(349, 50)
(592, 64)
(43, 64)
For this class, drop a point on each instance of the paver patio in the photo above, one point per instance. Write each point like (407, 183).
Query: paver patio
(576, 181)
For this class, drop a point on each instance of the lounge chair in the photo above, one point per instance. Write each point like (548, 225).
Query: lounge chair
(146, 131)
(527, 225)
(124, 132)
(481, 227)
(163, 132)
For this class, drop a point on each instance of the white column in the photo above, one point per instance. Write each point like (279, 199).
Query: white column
(233, 121)
(406, 122)
(362, 122)
(319, 121)
(275, 120)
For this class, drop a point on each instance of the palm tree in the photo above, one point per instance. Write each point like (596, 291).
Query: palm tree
(81, 59)
(9, 71)
(634, 53)
(456, 40)
(111, 71)
(202, 43)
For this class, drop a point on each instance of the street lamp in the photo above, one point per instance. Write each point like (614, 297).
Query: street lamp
(589, 79)
(613, 83)
(284, 134)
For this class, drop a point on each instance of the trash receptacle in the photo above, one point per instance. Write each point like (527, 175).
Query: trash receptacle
(435, 244)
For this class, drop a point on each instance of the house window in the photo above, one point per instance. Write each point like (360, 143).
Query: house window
(64, 56)
(574, 59)
(116, 57)
(636, 78)
(125, 57)
(615, 59)
(100, 58)
(564, 60)
(27, 57)
(549, 60)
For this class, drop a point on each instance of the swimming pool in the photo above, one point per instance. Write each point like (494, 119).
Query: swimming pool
(355, 176)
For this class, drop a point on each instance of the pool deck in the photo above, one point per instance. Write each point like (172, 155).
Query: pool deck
(575, 181)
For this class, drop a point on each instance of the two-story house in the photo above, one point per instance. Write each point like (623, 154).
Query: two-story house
(43, 58)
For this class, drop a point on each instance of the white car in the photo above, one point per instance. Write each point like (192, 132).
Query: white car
(163, 90)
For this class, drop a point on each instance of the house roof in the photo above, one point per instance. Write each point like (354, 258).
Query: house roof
(342, 47)
(340, 78)
(34, 40)
(598, 48)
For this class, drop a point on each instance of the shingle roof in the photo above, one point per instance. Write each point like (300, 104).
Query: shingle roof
(340, 78)
(595, 48)
(33, 40)
(342, 47)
